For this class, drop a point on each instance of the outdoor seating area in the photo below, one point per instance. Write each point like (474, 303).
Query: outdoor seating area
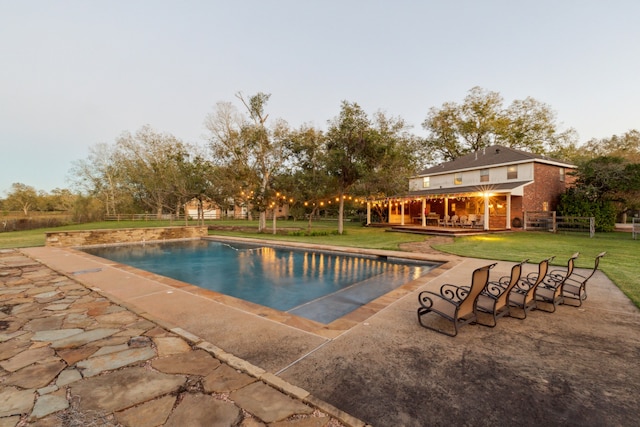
(463, 221)
(543, 290)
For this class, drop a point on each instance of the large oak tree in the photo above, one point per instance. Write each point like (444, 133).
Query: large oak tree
(482, 120)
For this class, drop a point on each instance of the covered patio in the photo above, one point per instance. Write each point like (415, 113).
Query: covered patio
(461, 210)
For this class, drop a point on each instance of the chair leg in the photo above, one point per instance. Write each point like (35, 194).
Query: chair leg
(422, 311)
(551, 302)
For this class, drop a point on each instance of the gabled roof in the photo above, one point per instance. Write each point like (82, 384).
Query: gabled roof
(494, 155)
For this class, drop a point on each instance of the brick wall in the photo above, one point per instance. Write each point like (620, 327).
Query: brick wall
(546, 188)
(121, 235)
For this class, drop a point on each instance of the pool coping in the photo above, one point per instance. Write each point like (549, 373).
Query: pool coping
(328, 331)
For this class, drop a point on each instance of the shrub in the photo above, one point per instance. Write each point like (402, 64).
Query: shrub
(576, 203)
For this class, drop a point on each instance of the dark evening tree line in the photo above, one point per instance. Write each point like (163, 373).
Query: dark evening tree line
(252, 159)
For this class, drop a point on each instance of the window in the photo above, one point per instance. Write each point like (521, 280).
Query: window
(562, 174)
(512, 172)
(457, 178)
(484, 175)
(425, 182)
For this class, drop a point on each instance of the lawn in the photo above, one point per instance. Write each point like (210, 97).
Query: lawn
(620, 265)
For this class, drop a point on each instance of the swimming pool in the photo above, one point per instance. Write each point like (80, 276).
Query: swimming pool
(318, 285)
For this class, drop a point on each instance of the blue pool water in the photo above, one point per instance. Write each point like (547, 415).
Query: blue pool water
(321, 286)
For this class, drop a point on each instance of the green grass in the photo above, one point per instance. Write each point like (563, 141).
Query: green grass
(355, 235)
(29, 238)
(620, 265)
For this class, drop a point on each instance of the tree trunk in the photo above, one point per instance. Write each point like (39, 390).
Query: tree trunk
(274, 221)
(262, 221)
(341, 215)
(313, 211)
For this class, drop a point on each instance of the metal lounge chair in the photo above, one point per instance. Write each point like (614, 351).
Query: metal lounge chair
(522, 295)
(575, 286)
(550, 290)
(494, 299)
(454, 303)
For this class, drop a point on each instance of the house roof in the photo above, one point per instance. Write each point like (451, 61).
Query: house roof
(505, 186)
(493, 155)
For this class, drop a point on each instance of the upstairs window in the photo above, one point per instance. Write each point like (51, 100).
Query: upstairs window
(425, 182)
(512, 172)
(484, 175)
(562, 174)
(457, 178)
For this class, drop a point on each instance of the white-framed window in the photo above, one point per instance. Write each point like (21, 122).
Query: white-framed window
(562, 174)
(425, 182)
(484, 175)
(512, 172)
(457, 178)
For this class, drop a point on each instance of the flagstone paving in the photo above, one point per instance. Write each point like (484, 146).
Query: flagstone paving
(70, 356)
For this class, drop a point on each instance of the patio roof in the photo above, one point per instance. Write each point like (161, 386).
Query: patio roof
(505, 187)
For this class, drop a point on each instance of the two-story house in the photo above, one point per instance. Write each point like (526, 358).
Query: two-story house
(496, 184)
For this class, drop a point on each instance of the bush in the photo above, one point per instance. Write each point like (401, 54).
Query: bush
(576, 203)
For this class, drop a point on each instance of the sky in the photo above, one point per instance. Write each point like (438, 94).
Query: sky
(74, 74)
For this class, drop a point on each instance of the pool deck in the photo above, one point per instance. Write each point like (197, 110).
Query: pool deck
(577, 366)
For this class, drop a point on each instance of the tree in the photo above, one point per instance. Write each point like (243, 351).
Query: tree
(307, 179)
(246, 146)
(626, 146)
(349, 151)
(396, 157)
(148, 162)
(192, 180)
(602, 185)
(58, 199)
(21, 197)
(482, 120)
(530, 125)
(101, 176)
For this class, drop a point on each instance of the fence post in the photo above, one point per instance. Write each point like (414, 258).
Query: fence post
(526, 220)
(553, 219)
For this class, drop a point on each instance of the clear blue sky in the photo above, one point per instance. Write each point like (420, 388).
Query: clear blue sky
(77, 73)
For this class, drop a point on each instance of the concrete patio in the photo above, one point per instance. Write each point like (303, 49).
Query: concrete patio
(576, 366)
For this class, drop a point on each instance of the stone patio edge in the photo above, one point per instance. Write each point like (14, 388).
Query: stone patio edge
(242, 365)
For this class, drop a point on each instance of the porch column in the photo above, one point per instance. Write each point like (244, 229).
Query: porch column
(486, 211)
(390, 206)
(422, 215)
(401, 211)
(508, 211)
(368, 213)
(446, 206)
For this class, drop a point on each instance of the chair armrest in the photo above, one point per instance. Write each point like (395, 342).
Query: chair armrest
(522, 287)
(493, 290)
(551, 282)
(426, 299)
(454, 292)
(529, 279)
